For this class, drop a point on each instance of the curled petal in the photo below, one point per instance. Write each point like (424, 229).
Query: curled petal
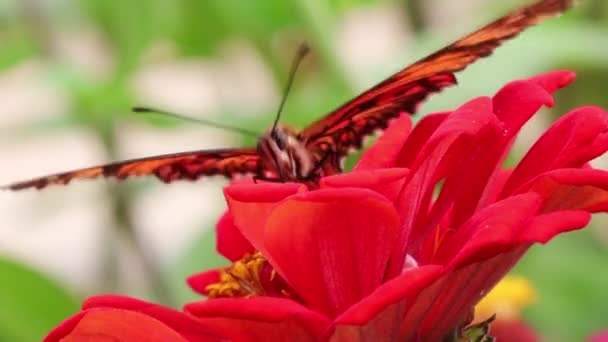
(109, 315)
(262, 319)
(398, 290)
(332, 245)
(447, 302)
(115, 325)
(517, 102)
(421, 134)
(387, 182)
(451, 143)
(384, 152)
(566, 189)
(250, 205)
(562, 146)
(545, 227)
(261, 193)
(378, 316)
(199, 282)
(468, 120)
(230, 242)
(489, 231)
(514, 104)
(495, 185)
(467, 176)
(553, 80)
(188, 327)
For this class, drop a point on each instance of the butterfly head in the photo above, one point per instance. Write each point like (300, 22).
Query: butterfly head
(286, 153)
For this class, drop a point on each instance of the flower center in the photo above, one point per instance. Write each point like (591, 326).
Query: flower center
(251, 276)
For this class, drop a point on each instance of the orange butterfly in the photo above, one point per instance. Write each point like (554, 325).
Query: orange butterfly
(285, 154)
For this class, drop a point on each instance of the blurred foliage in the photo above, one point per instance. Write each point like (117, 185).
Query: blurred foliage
(569, 306)
(200, 257)
(31, 303)
(570, 277)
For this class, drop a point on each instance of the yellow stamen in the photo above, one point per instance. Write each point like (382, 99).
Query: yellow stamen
(242, 279)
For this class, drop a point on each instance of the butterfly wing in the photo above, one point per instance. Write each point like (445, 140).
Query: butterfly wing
(345, 128)
(168, 168)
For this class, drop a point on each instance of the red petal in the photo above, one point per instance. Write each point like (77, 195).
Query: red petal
(585, 189)
(469, 119)
(554, 80)
(262, 319)
(495, 185)
(387, 182)
(251, 204)
(378, 316)
(383, 153)
(468, 175)
(262, 193)
(115, 325)
(544, 227)
(477, 267)
(199, 282)
(332, 245)
(185, 325)
(468, 178)
(421, 134)
(513, 330)
(403, 287)
(599, 337)
(483, 235)
(116, 301)
(514, 104)
(451, 143)
(64, 328)
(440, 307)
(562, 146)
(230, 242)
(517, 102)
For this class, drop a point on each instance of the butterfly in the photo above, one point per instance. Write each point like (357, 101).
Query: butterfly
(285, 154)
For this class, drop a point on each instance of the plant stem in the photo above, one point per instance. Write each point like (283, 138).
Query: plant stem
(415, 14)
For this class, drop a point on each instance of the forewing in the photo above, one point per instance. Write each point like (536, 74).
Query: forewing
(345, 128)
(168, 168)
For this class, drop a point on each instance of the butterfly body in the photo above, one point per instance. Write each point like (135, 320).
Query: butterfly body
(284, 154)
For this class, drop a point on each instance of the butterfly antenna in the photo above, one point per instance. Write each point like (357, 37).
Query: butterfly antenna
(147, 110)
(300, 54)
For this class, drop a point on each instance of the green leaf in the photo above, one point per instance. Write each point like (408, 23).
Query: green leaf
(479, 332)
(32, 304)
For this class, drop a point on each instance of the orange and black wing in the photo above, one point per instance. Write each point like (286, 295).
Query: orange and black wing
(345, 128)
(168, 168)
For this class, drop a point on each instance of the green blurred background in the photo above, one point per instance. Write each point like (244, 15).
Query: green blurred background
(70, 70)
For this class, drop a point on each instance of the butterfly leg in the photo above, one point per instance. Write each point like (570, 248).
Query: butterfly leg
(312, 180)
(317, 168)
(267, 179)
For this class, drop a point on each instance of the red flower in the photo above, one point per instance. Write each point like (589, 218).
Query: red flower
(385, 252)
(513, 330)
(599, 337)
(116, 318)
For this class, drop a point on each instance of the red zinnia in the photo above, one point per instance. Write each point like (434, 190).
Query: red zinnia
(599, 337)
(385, 252)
